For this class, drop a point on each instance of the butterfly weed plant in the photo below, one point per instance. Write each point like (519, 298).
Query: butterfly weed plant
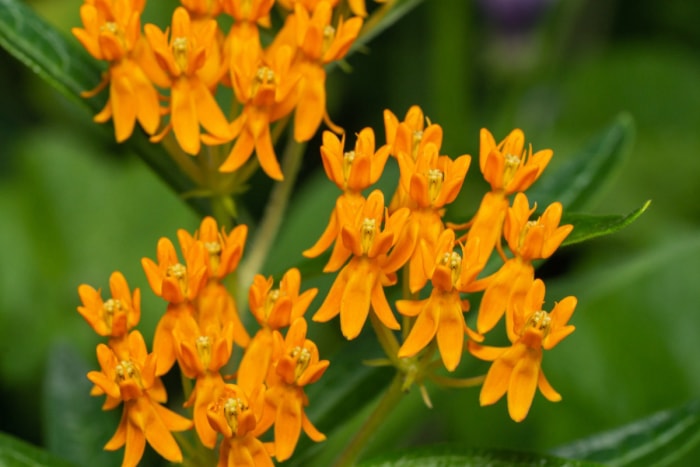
(230, 88)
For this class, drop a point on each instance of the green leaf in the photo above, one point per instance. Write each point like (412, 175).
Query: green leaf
(659, 439)
(75, 427)
(588, 226)
(64, 64)
(388, 15)
(459, 456)
(17, 453)
(576, 181)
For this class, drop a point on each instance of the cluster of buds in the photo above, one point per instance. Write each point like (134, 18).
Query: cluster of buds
(190, 60)
(198, 332)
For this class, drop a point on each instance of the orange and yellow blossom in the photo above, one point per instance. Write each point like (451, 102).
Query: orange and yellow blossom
(360, 284)
(295, 364)
(116, 316)
(408, 139)
(430, 182)
(236, 416)
(529, 240)
(112, 32)
(351, 171)
(179, 285)
(509, 168)
(442, 314)
(319, 43)
(249, 11)
(201, 355)
(131, 379)
(516, 370)
(183, 57)
(273, 308)
(214, 305)
(263, 83)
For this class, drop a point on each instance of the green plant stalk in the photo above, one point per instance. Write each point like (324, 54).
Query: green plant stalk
(388, 401)
(272, 217)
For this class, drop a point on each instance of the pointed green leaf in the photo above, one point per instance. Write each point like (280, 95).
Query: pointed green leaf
(458, 456)
(17, 453)
(75, 427)
(387, 15)
(588, 226)
(63, 63)
(576, 182)
(659, 439)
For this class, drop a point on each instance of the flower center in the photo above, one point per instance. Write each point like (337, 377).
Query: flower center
(328, 36)
(109, 308)
(417, 138)
(367, 231)
(203, 345)
(233, 408)
(180, 52)
(303, 358)
(435, 179)
(453, 261)
(348, 159)
(270, 301)
(540, 321)
(523, 234)
(512, 163)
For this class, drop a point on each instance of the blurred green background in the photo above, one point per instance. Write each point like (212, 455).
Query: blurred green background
(74, 206)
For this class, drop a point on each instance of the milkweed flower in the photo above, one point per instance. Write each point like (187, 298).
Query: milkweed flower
(116, 316)
(131, 379)
(529, 240)
(351, 171)
(295, 364)
(430, 182)
(112, 32)
(183, 56)
(359, 285)
(319, 43)
(235, 415)
(509, 168)
(516, 370)
(441, 315)
(274, 309)
(202, 353)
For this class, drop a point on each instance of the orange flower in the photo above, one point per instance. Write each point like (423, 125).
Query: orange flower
(430, 182)
(411, 135)
(225, 250)
(320, 44)
(191, 101)
(112, 32)
(529, 241)
(116, 316)
(516, 370)
(264, 86)
(249, 11)
(351, 171)
(235, 415)
(277, 308)
(201, 356)
(133, 381)
(171, 279)
(273, 309)
(359, 284)
(508, 166)
(295, 364)
(442, 314)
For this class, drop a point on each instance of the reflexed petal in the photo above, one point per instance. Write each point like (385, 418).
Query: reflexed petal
(546, 389)
(287, 426)
(422, 333)
(183, 116)
(523, 383)
(135, 445)
(450, 332)
(496, 382)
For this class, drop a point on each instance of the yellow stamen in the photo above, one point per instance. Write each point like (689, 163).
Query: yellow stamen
(232, 410)
(303, 357)
(417, 138)
(435, 179)
(454, 261)
(328, 36)
(367, 231)
(348, 159)
(110, 307)
(270, 300)
(512, 163)
(540, 321)
(180, 52)
(203, 345)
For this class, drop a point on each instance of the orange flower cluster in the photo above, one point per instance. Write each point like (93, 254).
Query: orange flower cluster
(198, 331)
(185, 65)
(411, 234)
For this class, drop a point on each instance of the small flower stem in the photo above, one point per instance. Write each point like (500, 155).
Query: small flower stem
(272, 217)
(387, 403)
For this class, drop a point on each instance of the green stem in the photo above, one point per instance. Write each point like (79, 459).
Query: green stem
(272, 217)
(389, 400)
